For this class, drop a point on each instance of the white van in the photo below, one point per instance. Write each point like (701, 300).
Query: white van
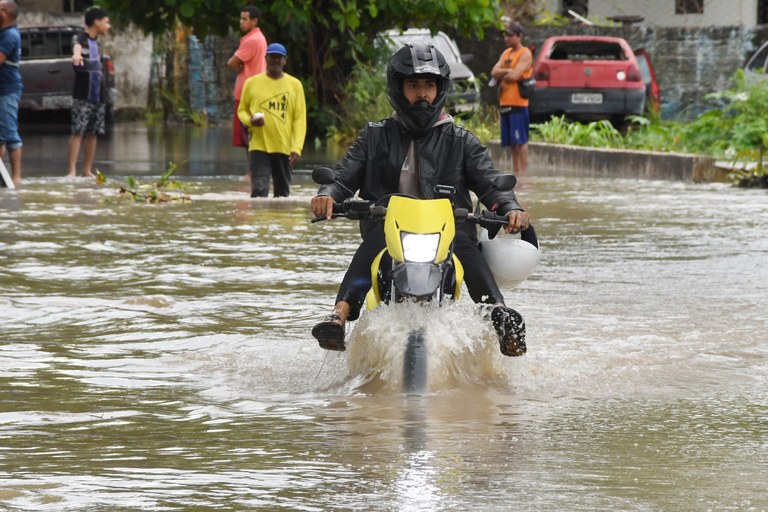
(464, 94)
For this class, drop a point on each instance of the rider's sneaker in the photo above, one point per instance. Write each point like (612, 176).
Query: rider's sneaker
(330, 333)
(510, 327)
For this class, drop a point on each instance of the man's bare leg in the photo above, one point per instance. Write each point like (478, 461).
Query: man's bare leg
(520, 159)
(89, 153)
(74, 150)
(15, 156)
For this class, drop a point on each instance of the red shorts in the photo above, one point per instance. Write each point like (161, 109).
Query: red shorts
(239, 130)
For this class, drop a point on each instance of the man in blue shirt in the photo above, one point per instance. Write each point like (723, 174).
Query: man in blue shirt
(10, 85)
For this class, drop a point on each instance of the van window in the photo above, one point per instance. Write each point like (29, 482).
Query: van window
(46, 44)
(442, 45)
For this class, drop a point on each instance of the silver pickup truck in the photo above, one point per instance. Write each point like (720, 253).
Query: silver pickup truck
(47, 72)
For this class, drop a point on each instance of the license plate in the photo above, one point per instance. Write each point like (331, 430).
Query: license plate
(587, 98)
(56, 102)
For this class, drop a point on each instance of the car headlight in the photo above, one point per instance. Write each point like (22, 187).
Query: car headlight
(420, 248)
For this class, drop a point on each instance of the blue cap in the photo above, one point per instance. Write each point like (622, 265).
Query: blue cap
(278, 49)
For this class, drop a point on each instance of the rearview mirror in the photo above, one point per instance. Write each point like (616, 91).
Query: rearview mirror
(323, 176)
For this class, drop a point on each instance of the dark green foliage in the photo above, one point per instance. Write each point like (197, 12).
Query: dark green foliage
(325, 39)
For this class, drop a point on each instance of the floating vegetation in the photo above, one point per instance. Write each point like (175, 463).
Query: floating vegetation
(161, 191)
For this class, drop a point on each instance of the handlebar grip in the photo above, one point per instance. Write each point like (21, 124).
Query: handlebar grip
(378, 211)
(494, 218)
(460, 214)
(355, 209)
(338, 210)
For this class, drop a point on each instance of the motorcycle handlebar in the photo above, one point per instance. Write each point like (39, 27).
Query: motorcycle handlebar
(355, 209)
(488, 220)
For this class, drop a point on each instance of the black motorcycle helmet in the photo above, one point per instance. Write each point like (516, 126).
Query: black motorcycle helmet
(420, 60)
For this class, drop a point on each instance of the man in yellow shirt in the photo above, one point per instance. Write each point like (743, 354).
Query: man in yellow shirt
(515, 63)
(273, 108)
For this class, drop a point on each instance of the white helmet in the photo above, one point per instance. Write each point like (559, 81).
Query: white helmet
(512, 260)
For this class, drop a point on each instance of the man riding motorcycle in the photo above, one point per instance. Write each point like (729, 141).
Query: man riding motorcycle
(410, 152)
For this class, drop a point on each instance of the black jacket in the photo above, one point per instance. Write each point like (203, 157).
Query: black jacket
(447, 155)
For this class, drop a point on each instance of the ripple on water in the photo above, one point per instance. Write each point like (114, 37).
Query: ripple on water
(160, 355)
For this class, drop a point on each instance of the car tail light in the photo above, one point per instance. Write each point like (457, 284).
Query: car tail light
(541, 72)
(633, 74)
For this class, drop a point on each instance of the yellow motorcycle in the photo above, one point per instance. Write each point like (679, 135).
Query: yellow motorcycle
(418, 263)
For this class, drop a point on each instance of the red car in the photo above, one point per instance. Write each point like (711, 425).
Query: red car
(592, 77)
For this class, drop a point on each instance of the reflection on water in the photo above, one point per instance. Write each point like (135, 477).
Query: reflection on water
(139, 149)
(159, 356)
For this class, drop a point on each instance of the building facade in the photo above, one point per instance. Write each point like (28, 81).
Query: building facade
(668, 13)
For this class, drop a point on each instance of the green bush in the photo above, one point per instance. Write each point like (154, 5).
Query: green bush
(484, 123)
(365, 99)
(598, 133)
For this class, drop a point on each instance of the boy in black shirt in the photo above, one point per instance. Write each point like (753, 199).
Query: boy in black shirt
(88, 95)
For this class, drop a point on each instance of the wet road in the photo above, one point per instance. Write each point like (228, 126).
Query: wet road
(158, 357)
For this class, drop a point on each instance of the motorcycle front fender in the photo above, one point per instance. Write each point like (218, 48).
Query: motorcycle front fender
(373, 297)
(419, 280)
(458, 270)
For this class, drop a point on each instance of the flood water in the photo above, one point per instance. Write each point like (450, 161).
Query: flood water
(158, 357)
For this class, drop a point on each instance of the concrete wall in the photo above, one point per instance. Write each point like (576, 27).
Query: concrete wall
(689, 62)
(558, 159)
(41, 6)
(211, 81)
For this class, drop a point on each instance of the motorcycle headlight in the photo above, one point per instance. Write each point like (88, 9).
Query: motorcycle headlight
(420, 248)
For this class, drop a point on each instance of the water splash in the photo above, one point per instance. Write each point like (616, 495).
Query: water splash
(461, 347)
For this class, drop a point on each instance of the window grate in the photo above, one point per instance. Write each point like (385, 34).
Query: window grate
(76, 5)
(762, 12)
(689, 6)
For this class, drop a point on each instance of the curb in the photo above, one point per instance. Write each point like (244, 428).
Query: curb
(561, 159)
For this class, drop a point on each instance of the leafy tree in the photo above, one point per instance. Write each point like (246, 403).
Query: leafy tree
(325, 38)
(157, 17)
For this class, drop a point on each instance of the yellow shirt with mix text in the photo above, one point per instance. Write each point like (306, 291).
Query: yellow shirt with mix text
(285, 113)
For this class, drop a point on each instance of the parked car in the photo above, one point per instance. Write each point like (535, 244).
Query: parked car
(464, 94)
(592, 77)
(47, 72)
(756, 67)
